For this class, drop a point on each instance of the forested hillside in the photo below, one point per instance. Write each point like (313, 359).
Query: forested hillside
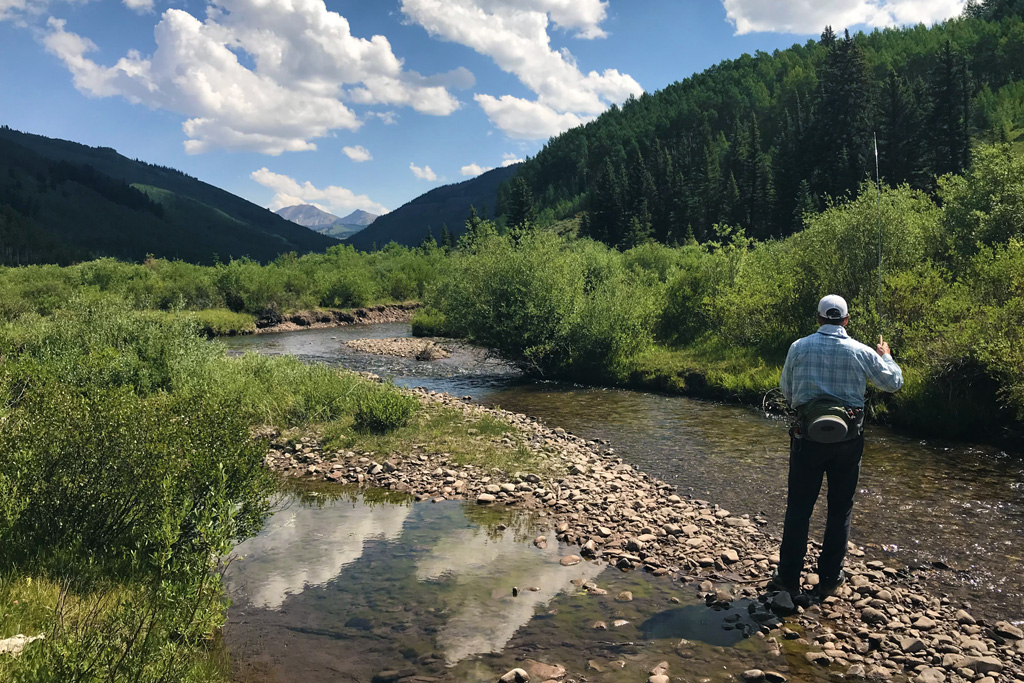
(758, 141)
(430, 213)
(62, 201)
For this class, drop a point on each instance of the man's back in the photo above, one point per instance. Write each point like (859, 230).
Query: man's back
(831, 363)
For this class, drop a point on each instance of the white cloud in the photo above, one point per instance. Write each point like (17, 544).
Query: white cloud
(357, 153)
(19, 10)
(305, 62)
(525, 119)
(802, 17)
(139, 5)
(425, 173)
(290, 192)
(475, 169)
(389, 118)
(514, 33)
(509, 158)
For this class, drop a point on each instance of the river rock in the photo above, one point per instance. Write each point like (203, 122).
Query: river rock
(659, 669)
(924, 623)
(819, 658)
(856, 671)
(774, 677)
(930, 674)
(1008, 630)
(544, 672)
(624, 596)
(730, 556)
(541, 542)
(982, 665)
(870, 615)
(782, 604)
(911, 645)
(485, 498)
(515, 676)
(658, 678)
(964, 618)
(570, 560)
(752, 675)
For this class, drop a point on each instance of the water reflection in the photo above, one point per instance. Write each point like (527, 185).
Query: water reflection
(321, 576)
(484, 568)
(301, 547)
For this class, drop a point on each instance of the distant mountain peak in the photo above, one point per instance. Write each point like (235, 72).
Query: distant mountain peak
(359, 217)
(308, 216)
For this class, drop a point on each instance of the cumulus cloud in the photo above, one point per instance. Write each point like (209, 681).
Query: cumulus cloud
(357, 153)
(425, 173)
(475, 169)
(304, 59)
(139, 5)
(509, 158)
(289, 192)
(526, 119)
(389, 118)
(19, 10)
(514, 33)
(799, 16)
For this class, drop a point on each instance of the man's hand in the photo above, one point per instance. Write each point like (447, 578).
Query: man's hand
(882, 348)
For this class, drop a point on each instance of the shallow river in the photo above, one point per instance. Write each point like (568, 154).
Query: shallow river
(954, 508)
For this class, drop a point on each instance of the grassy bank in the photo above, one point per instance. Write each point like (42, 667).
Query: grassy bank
(130, 467)
(227, 297)
(716, 319)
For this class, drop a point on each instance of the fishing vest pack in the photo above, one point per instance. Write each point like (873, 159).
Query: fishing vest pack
(826, 420)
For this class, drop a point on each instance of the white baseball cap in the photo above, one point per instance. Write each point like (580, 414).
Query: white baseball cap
(833, 307)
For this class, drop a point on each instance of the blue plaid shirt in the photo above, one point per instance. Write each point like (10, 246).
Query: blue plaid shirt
(830, 363)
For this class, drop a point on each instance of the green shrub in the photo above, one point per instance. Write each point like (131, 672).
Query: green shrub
(429, 322)
(383, 409)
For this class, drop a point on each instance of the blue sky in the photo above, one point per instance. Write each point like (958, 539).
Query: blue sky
(367, 104)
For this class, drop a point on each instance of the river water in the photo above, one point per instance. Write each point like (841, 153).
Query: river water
(955, 509)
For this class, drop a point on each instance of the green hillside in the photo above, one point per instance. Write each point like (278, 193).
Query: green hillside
(758, 141)
(62, 201)
(447, 206)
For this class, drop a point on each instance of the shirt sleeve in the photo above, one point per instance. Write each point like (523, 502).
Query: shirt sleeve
(883, 372)
(786, 383)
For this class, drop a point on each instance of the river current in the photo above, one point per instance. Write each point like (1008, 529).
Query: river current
(953, 510)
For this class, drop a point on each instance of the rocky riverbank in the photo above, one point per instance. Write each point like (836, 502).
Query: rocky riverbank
(330, 317)
(420, 348)
(881, 625)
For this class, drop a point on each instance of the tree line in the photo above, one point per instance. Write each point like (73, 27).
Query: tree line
(759, 141)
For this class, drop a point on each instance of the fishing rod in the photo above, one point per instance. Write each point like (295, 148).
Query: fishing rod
(878, 206)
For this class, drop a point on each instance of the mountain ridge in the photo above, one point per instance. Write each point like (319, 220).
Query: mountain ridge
(62, 201)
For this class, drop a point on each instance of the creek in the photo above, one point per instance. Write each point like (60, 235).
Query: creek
(956, 509)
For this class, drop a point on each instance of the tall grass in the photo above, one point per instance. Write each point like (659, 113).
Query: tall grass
(129, 468)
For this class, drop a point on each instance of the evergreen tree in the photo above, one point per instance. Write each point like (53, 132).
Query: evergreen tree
(447, 240)
(606, 206)
(902, 120)
(843, 119)
(521, 210)
(951, 112)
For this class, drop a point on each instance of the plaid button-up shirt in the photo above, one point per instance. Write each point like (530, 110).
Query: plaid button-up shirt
(830, 363)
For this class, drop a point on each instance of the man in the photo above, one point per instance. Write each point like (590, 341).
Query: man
(824, 379)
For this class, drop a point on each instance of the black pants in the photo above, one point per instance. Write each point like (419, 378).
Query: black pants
(808, 463)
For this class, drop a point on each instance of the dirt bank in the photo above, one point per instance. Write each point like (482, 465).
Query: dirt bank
(331, 317)
(882, 625)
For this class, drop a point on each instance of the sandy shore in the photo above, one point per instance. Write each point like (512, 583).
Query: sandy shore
(883, 624)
